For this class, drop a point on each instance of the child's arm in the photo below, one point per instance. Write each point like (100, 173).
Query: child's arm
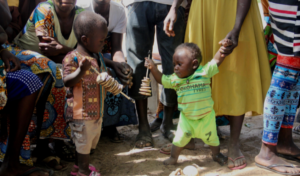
(155, 72)
(219, 57)
(73, 78)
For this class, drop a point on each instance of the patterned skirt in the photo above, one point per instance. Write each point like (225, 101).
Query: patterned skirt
(54, 124)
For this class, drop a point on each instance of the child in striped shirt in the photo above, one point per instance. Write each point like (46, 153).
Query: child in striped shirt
(192, 84)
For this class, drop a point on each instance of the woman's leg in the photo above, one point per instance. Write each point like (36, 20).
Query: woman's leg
(236, 123)
(19, 122)
(278, 117)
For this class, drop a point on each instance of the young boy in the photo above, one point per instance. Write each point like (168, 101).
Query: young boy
(85, 98)
(192, 84)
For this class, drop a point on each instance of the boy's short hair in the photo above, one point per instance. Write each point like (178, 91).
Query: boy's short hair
(86, 22)
(194, 50)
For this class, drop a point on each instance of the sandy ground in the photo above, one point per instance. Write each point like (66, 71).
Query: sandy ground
(123, 159)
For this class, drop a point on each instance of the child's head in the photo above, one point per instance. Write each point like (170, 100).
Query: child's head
(186, 59)
(90, 30)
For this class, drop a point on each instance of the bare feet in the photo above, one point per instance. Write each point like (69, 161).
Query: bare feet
(235, 152)
(273, 159)
(170, 161)
(143, 140)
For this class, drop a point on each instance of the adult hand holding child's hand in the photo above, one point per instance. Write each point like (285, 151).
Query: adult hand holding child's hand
(226, 45)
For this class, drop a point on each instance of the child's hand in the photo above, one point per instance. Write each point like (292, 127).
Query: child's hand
(224, 49)
(85, 64)
(149, 63)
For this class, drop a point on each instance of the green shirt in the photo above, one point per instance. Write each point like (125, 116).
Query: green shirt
(194, 92)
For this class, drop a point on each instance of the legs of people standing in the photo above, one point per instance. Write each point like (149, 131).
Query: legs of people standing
(236, 158)
(279, 113)
(139, 40)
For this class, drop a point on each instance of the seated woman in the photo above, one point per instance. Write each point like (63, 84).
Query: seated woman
(118, 110)
(18, 95)
(49, 32)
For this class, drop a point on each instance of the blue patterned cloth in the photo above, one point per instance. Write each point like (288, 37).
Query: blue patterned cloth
(280, 103)
(21, 83)
(118, 110)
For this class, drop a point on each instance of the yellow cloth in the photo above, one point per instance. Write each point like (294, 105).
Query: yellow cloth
(244, 76)
(13, 3)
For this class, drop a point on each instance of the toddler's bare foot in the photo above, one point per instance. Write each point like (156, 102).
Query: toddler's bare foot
(170, 161)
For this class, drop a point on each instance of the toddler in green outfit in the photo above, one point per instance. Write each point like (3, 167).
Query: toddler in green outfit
(192, 84)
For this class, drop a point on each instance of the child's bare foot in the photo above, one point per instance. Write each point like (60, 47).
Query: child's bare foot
(170, 161)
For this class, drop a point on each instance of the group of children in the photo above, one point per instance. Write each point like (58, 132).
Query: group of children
(85, 97)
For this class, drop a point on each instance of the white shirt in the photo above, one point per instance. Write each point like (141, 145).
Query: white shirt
(117, 16)
(168, 2)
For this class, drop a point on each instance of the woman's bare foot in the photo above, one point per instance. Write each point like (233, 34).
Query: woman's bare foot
(170, 161)
(271, 160)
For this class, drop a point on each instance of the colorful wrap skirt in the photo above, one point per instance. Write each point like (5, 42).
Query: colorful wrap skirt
(54, 124)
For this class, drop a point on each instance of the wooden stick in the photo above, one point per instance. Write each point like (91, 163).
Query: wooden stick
(129, 98)
(149, 57)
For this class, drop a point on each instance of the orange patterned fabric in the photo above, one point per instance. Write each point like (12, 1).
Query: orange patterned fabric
(85, 100)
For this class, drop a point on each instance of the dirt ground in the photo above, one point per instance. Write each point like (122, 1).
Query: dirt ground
(113, 159)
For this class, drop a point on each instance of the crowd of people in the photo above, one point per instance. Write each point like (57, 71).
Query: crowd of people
(50, 49)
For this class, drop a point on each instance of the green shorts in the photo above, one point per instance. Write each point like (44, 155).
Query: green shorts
(204, 128)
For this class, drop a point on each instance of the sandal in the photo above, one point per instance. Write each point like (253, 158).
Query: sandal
(116, 138)
(168, 148)
(269, 168)
(296, 130)
(52, 162)
(65, 153)
(237, 167)
(220, 158)
(144, 139)
(290, 157)
(155, 124)
(93, 173)
(91, 167)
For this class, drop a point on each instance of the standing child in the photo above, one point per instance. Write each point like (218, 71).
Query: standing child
(192, 84)
(84, 109)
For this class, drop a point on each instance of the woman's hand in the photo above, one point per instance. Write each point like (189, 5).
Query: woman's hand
(50, 46)
(8, 57)
(233, 36)
(170, 21)
(124, 73)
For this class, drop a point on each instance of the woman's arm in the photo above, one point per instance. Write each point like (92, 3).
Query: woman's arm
(243, 7)
(116, 47)
(5, 16)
